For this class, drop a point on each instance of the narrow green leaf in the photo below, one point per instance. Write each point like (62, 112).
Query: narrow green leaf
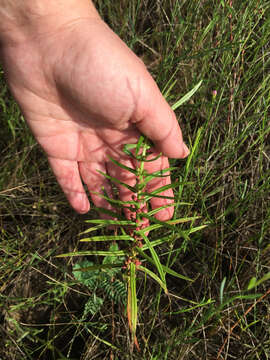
(176, 274)
(160, 224)
(156, 210)
(153, 276)
(157, 242)
(188, 309)
(117, 181)
(171, 225)
(163, 188)
(221, 291)
(132, 300)
(115, 202)
(93, 252)
(165, 268)
(182, 220)
(263, 279)
(239, 297)
(108, 238)
(156, 221)
(139, 144)
(148, 196)
(214, 192)
(168, 87)
(113, 214)
(122, 166)
(99, 267)
(110, 222)
(159, 174)
(252, 283)
(127, 148)
(93, 228)
(141, 158)
(144, 159)
(187, 96)
(197, 228)
(193, 150)
(154, 256)
(104, 222)
(102, 340)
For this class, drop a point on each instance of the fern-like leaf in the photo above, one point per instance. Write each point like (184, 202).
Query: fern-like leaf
(92, 306)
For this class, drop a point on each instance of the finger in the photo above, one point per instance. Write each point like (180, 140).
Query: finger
(68, 177)
(158, 182)
(125, 194)
(96, 183)
(158, 122)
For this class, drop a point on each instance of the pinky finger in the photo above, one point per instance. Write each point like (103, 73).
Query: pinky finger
(68, 177)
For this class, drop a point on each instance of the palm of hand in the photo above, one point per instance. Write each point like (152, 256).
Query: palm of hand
(84, 101)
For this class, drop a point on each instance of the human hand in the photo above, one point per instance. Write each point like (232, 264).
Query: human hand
(85, 94)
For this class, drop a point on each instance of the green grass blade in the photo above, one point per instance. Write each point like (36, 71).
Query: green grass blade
(188, 309)
(107, 343)
(197, 228)
(254, 282)
(186, 97)
(183, 220)
(221, 290)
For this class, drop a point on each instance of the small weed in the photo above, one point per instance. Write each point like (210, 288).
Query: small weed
(105, 279)
(134, 234)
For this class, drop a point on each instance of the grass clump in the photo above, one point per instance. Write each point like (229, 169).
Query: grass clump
(223, 313)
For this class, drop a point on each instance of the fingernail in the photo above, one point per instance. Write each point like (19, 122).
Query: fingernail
(83, 202)
(185, 150)
(86, 206)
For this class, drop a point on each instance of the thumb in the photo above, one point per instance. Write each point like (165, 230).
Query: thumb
(158, 122)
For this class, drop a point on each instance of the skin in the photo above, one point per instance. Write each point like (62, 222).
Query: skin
(85, 94)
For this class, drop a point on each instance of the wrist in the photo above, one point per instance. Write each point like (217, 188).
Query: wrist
(29, 19)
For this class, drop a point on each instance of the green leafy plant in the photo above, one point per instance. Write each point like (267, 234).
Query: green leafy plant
(139, 243)
(104, 280)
